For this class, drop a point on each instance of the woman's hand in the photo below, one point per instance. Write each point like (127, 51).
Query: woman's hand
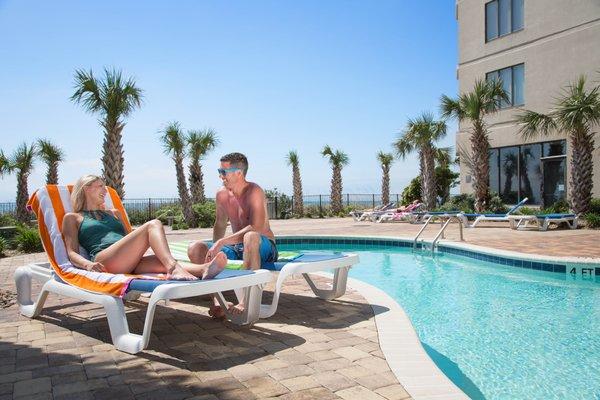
(94, 266)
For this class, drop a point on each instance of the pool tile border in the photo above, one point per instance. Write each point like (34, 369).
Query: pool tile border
(514, 259)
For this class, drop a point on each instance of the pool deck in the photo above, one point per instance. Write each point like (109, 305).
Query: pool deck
(309, 349)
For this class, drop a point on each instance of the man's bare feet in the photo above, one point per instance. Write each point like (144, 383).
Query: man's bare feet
(217, 312)
(216, 265)
(177, 273)
(236, 309)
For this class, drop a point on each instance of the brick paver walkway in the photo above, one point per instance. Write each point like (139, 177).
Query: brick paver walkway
(310, 349)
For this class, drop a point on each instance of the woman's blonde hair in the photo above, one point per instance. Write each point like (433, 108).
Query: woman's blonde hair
(78, 194)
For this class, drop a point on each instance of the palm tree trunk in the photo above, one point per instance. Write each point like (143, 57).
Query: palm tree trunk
(22, 197)
(385, 185)
(52, 174)
(480, 152)
(581, 183)
(297, 183)
(113, 156)
(336, 190)
(184, 197)
(428, 188)
(196, 182)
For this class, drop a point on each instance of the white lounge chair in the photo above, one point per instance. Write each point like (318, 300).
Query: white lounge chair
(59, 276)
(542, 221)
(368, 214)
(304, 263)
(490, 217)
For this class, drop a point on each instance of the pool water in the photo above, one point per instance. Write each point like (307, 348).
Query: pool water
(497, 332)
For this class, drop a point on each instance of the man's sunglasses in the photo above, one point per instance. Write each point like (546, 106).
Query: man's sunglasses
(225, 171)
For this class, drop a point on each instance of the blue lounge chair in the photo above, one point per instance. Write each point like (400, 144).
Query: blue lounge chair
(542, 221)
(490, 217)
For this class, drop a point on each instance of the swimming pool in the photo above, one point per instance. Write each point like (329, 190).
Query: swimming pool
(498, 332)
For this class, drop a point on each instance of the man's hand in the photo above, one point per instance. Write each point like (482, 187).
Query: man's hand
(213, 251)
(94, 266)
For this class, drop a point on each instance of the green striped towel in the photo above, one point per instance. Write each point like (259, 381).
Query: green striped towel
(179, 251)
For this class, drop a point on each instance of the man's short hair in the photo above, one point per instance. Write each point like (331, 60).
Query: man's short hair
(237, 160)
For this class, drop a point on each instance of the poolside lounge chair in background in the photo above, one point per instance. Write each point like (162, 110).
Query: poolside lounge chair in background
(542, 221)
(50, 203)
(395, 215)
(491, 217)
(296, 263)
(366, 214)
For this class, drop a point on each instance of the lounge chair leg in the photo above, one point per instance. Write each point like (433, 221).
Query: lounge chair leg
(23, 278)
(119, 328)
(251, 297)
(340, 278)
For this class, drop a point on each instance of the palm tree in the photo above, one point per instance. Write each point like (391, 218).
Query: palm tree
(421, 134)
(485, 99)
(22, 162)
(174, 144)
(443, 160)
(573, 114)
(338, 160)
(292, 160)
(114, 98)
(200, 144)
(385, 160)
(51, 155)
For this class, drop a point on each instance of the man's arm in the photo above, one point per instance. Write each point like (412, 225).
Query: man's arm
(221, 216)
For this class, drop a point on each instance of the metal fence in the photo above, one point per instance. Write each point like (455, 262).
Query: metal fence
(278, 208)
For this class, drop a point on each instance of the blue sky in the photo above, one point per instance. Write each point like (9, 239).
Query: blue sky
(268, 76)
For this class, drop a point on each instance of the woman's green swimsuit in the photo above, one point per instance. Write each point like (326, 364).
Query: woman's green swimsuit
(96, 235)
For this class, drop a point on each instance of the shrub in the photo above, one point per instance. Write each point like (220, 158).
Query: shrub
(461, 202)
(592, 220)
(137, 217)
(527, 211)
(206, 213)
(560, 206)
(3, 246)
(313, 211)
(169, 213)
(595, 206)
(7, 220)
(496, 205)
(412, 192)
(28, 240)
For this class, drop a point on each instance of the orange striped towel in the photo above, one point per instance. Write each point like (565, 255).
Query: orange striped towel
(50, 203)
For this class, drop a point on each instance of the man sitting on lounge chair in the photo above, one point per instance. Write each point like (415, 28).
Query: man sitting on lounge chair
(244, 204)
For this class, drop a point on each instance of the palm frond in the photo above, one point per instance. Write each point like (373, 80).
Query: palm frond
(443, 155)
(5, 166)
(385, 159)
(23, 158)
(49, 152)
(292, 159)
(451, 108)
(534, 124)
(173, 140)
(327, 151)
(87, 91)
(202, 142)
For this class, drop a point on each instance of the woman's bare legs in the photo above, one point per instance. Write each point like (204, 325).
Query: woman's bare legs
(127, 256)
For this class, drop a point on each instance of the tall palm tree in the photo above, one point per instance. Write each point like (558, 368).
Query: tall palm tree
(385, 160)
(200, 144)
(114, 98)
(292, 160)
(485, 99)
(22, 161)
(421, 134)
(573, 114)
(338, 160)
(51, 154)
(174, 145)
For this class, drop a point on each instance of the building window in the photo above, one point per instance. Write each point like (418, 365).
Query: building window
(513, 81)
(536, 171)
(503, 17)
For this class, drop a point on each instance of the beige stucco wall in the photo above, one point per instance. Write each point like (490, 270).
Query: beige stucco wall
(559, 42)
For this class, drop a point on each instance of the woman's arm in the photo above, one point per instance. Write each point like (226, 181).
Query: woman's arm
(70, 232)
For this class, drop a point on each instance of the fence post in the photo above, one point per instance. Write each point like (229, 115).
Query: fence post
(276, 214)
(347, 199)
(149, 208)
(373, 200)
(397, 199)
(320, 206)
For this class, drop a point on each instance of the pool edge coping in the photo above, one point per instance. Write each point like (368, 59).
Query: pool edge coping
(402, 348)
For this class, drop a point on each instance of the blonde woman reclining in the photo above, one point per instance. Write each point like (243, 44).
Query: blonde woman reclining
(102, 234)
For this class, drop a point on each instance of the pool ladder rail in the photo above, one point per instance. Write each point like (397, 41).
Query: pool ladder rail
(446, 219)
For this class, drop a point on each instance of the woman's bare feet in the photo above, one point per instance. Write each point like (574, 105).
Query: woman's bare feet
(216, 266)
(177, 273)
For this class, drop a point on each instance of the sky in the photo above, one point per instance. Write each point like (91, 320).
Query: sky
(267, 76)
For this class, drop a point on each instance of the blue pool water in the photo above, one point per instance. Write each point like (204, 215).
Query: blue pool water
(498, 332)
